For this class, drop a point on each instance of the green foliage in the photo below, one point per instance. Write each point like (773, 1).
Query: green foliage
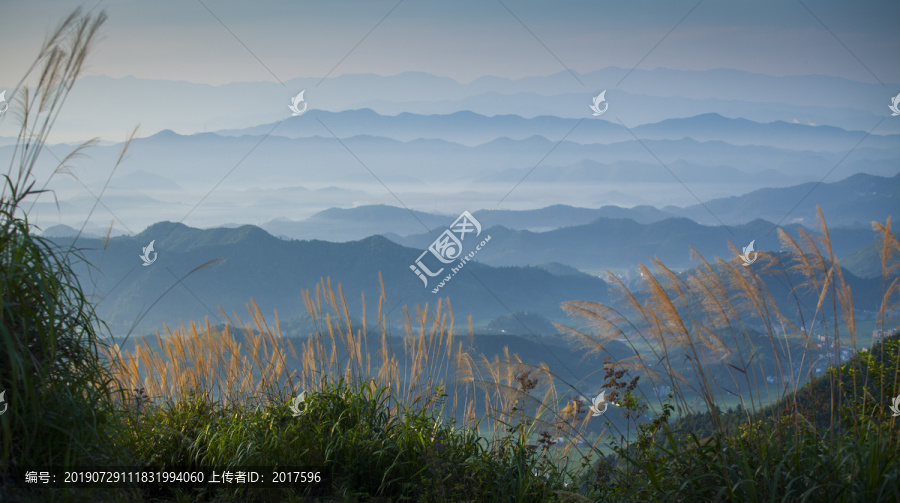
(58, 392)
(778, 453)
(367, 448)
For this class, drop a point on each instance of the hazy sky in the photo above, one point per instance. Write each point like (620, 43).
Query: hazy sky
(464, 39)
(216, 42)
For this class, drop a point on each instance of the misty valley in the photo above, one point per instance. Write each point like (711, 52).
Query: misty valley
(509, 251)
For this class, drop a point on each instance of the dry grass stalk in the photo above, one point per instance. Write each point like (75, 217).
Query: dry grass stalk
(688, 316)
(677, 318)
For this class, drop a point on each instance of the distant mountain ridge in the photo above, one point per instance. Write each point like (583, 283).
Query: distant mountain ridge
(105, 105)
(60, 231)
(272, 271)
(246, 262)
(674, 162)
(166, 154)
(470, 128)
(351, 224)
(856, 200)
(623, 243)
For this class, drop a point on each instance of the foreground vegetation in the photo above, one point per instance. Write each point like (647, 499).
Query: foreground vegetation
(438, 422)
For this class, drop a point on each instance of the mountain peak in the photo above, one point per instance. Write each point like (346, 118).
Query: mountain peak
(164, 228)
(61, 231)
(165, 134)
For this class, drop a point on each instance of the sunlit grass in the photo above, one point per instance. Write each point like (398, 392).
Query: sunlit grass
(251, 365)
(831, 439)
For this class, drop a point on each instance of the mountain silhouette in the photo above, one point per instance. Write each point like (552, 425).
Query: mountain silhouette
(251, 263)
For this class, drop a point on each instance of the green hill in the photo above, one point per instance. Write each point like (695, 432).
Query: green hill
(865, 262)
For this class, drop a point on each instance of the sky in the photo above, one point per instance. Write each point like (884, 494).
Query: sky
(217, 42)
(269, 45)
